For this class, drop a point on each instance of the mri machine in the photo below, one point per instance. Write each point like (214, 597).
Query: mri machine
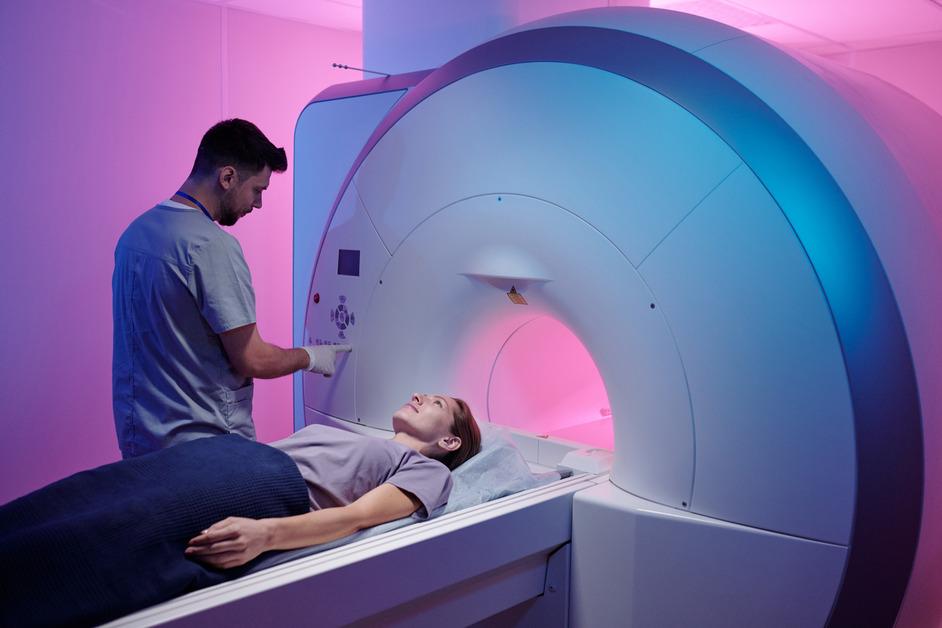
(702, 270)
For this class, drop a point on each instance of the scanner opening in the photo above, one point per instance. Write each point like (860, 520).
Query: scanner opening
(545, 382)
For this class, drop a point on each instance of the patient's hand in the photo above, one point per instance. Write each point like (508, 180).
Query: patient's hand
(231, 542)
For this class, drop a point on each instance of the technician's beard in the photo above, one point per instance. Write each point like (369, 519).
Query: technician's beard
(228, 215)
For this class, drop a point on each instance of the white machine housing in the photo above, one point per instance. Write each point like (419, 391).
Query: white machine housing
(747, 243)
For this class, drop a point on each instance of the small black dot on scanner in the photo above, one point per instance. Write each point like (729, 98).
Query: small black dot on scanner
(380, 282)
(652, 306)
(684, 504)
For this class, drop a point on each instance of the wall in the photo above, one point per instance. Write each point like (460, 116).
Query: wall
(104, 105)
(914, 68)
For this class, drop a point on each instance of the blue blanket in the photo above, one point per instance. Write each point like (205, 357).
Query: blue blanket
(109, 541)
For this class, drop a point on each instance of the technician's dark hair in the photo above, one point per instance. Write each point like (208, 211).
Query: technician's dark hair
(465, 428)
(237, 143)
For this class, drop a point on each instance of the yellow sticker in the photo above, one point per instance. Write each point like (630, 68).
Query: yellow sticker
(516, 297)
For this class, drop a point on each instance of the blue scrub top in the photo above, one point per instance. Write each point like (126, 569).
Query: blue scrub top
(179, 281)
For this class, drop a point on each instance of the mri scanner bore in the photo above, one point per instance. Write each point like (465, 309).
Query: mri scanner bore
(737, 242)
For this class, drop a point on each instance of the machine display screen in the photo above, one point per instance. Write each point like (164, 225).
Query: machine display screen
(348, 263)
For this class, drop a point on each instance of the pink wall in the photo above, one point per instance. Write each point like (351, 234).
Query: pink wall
(915, 68)
(103, 105)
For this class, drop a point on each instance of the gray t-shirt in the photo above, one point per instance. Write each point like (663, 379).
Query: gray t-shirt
(179, 281)
(341, 466)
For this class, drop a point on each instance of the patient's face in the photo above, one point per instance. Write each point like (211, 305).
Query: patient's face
(426, 417)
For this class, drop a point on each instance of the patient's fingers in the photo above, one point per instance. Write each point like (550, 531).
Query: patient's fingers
(237, 545)
(212, 537)
(214, 534)
(231, 542)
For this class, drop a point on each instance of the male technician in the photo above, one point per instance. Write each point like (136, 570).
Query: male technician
(186, 345)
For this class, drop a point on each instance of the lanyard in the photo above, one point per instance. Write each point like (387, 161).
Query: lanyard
(200, 205)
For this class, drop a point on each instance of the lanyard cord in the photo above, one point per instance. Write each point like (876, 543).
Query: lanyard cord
(200, 205)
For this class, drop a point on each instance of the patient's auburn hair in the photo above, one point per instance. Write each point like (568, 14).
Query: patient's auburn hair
(465, 428)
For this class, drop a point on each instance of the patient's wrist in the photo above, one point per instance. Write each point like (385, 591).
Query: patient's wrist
(270, 538)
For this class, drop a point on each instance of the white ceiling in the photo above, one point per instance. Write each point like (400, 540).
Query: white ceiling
(823, 26)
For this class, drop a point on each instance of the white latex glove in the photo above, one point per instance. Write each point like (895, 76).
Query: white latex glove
(324, 358)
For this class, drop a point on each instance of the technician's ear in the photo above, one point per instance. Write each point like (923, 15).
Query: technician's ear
(227, 177)
(449, 443)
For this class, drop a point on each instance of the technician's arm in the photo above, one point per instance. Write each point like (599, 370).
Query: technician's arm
(235, 541)
(253, 357)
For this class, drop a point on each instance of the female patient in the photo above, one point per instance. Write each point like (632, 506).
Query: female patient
(134, 533)
(356, 482)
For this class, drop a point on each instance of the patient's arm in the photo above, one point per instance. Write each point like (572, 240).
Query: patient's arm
(235, 541)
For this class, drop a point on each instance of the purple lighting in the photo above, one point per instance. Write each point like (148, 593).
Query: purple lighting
(103, 109)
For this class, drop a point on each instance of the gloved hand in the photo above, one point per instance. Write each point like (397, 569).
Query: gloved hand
(324, 357)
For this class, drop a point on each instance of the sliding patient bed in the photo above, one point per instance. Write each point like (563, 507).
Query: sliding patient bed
(507, 556)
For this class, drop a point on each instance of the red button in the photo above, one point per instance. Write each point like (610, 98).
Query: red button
(317, 297)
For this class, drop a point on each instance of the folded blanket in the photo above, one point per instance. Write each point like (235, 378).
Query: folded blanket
(109, 541)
